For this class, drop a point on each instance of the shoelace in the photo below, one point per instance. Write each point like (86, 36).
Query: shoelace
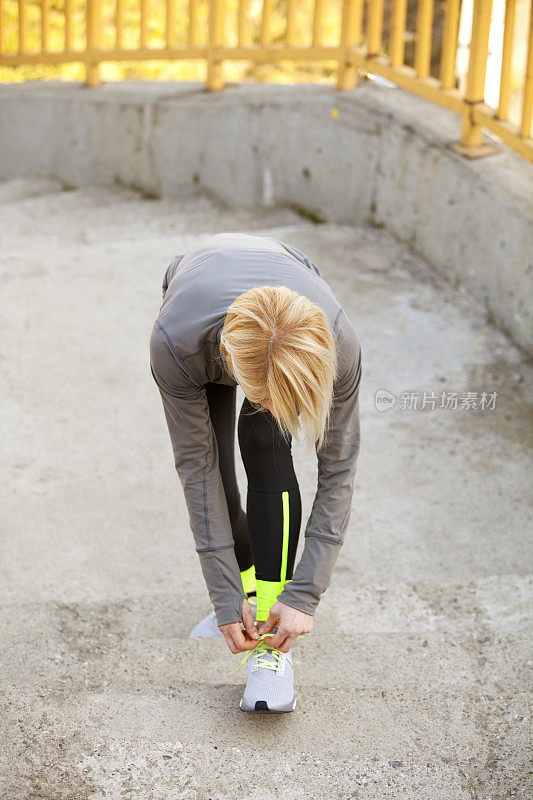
(261, 651)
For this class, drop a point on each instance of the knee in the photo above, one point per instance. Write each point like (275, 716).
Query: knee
(256, 435)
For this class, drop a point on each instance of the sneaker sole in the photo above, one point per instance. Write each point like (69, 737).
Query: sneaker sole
(261, 706)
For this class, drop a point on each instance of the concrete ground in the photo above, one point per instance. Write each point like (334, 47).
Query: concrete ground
(416, 680)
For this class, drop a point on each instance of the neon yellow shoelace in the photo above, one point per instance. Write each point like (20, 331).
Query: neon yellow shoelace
(261, 651)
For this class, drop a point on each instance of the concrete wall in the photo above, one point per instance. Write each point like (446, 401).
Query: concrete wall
(371, 154)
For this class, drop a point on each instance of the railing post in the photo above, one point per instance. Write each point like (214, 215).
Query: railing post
(266, 23)
(119, 24)
(507, 54)
(144, 24)
(93, 31)
(215, 79)
(169, 22)
(350, 34)
(289, 31)
(374, 27)
(397, 48)
(527, 103)
(68, 24)
(45, 25)
(193, 23)
(424, 31)
(449, 44)
(318, 22)
(477, 70)
(22, 26)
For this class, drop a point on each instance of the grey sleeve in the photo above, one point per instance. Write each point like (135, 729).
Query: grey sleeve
(299, 256)
(331, 511)
(196, 461)
(169, 273)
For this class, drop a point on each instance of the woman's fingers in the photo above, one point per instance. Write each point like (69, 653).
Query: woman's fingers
(237, 640)
(245, 644)
(279, 637)
(288, 643)
(242, 642)
(248, 620)
(290, 623)
(267, 626)
(229, 642)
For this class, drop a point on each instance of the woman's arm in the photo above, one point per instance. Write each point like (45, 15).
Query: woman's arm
(196, 461)
(331, 511)
(169, 273)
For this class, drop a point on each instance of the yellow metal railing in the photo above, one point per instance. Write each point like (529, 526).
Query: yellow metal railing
(220, 30)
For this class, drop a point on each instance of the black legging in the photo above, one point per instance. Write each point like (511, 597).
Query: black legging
(267, 459)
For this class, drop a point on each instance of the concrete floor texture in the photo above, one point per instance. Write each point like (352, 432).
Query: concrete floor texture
(416, 680)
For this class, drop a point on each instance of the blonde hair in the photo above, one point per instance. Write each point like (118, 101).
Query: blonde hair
(279, 346)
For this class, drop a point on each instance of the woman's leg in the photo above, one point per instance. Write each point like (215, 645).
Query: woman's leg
(221, 400)
(273, 504)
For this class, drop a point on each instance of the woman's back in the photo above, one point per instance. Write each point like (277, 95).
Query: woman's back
(201, 284)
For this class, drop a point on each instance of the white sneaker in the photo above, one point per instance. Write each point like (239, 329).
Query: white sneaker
(208, 627)
(270, 680)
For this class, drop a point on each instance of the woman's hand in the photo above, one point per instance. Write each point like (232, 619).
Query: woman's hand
(292, 623)
(238, 640)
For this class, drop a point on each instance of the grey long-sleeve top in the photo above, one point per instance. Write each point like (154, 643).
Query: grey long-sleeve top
(198, 287)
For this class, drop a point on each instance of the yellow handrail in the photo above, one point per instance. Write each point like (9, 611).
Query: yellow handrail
(237, 30)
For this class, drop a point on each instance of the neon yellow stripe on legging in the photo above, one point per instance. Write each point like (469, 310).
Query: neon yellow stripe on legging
(285, 545)
(248, 579)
